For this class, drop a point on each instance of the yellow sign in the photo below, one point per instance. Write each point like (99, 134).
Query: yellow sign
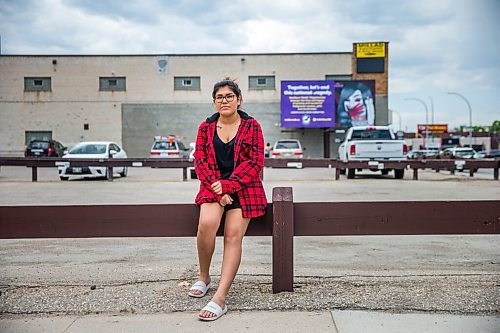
(370, 50)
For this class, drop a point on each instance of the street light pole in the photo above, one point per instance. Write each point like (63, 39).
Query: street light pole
(426, 117)
(432, 117)
(470, 114)
(432, 110)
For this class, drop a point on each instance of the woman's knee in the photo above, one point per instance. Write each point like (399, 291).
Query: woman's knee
(209, 222)
(233, 238)
(235, 229)
(207, 225)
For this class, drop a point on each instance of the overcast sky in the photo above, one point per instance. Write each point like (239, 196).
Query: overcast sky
(436, 46)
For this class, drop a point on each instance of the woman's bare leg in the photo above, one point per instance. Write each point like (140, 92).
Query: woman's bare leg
(210, 216)
(234, 230)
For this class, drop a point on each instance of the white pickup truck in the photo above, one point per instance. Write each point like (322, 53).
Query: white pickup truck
(372, 143)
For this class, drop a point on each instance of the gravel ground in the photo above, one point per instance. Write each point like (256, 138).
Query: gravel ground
(460, 294)
(448, 274)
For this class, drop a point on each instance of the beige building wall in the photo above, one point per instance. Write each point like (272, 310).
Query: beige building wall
(75, 98)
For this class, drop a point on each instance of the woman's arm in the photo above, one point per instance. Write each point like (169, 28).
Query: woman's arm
(201, 166)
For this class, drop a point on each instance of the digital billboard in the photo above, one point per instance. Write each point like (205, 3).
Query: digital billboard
(355, 102)
(307, 104)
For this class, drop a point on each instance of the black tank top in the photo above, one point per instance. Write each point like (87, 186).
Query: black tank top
(224, 154)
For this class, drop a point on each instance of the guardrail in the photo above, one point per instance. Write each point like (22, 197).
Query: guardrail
(283, 220)
(48, 162)
(437, 164)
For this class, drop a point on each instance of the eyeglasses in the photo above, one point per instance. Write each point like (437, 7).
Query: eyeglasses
(229, 98)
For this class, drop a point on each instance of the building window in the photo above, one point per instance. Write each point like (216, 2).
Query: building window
(261, 82)
(112, 84)
(330, 77)
(37, 84)
(187, 83)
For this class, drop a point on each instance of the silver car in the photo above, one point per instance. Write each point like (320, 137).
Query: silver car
(287, 148)
(458, 152)
(92, 150)
(167, 147)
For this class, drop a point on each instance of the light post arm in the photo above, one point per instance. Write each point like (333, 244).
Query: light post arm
(426, 117)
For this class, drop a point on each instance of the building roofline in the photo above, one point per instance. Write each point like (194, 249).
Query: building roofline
(173, 54)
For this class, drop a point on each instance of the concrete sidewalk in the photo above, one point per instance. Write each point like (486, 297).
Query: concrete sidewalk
(337, 321)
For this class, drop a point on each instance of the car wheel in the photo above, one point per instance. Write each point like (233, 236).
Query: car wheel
(351, 173)
(385, 172)
(399, 173)
(124, 172)
(64, 178)
(342, 171)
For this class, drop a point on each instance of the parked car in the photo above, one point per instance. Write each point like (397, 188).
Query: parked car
(288, 148)
(422, 153)
(372, 143)
(92, 150)
(192, 145)
(192, 171)
(495, 153)
(480, 154)
(168, 147)
(458, 152)
(45, 148)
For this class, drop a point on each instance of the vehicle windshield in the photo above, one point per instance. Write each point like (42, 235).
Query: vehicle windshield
(89, 149)
(371, 134)
(164, 145)
(287, 145)
(464, 152)
(39, 145)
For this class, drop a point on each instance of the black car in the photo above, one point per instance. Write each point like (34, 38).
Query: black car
(493, 153)
(44, 148)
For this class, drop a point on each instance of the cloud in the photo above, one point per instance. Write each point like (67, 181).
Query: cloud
(434, 46)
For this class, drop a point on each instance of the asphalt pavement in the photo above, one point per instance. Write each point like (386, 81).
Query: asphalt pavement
(341, 284)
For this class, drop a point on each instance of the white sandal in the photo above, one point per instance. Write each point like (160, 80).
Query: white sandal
(215, 309)
(200, 286)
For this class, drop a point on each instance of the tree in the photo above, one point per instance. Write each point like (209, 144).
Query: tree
(478, 129)
(495, 127)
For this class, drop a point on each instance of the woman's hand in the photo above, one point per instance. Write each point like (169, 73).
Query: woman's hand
(226, 200)
(217, 187)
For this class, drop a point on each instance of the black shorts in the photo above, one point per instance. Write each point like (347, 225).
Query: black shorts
(236, 203)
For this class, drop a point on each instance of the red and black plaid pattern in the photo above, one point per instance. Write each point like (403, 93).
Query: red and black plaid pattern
(246, 179)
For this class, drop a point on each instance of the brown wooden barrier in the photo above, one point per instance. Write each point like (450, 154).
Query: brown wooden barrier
(436, 164)
(283, 220)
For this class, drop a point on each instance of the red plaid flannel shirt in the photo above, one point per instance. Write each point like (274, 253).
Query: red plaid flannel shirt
(246, 179)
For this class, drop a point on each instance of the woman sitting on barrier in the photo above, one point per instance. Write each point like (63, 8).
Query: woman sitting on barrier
(228, 159)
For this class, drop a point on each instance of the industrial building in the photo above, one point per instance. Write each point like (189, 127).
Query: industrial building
(130, 99)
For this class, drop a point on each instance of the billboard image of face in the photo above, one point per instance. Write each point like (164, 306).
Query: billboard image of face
(355, 102)
(307, 104)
